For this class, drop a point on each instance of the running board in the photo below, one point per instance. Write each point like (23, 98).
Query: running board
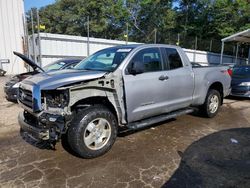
(156, 119)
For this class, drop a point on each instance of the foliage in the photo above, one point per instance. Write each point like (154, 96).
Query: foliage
(204, 19)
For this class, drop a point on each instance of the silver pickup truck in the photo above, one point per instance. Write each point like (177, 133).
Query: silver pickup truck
(118, 88)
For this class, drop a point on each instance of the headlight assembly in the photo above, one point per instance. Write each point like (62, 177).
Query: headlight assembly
(55, 98)
(16, 85)
(244, 84)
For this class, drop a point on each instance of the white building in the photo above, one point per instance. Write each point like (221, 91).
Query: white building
(56, 46)
(11, 35)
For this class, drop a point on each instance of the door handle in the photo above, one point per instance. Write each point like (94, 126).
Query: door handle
(162, 77)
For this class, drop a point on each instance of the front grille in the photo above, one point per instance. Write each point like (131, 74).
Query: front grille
(32, 120)
(25, 97)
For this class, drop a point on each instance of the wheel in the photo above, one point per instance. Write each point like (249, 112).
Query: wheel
(92, 132)
(212, 103)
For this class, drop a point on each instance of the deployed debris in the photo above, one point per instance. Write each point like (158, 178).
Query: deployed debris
(234, 141)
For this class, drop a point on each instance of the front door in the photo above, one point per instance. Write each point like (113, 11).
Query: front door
(146, 93)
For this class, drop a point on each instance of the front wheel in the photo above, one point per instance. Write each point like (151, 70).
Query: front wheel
(212, 103)
(92, 132)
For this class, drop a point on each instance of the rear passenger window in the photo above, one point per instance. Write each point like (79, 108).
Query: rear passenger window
(151, 59)
(174, 59)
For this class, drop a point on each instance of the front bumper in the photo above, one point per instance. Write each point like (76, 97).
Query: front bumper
(31, 130)
(241, 91)
(46, 127)
(241, 95)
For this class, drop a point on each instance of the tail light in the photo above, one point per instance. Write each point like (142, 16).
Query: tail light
(230, 72)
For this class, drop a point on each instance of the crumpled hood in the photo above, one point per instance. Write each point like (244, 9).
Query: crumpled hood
(55, 79)
(29, 61)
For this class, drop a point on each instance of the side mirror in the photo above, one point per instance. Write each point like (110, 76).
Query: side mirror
(136, 67)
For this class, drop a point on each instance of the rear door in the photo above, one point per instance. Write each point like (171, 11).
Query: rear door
(180, 83)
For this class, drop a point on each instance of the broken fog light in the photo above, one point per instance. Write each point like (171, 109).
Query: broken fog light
(56, 98)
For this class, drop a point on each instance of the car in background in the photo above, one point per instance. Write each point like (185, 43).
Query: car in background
(11, 86)
(241, 81)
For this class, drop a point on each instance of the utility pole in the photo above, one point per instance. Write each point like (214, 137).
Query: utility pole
(88, 36)
(26, 39)
(39, 38)
(33, 36)
(155, 35)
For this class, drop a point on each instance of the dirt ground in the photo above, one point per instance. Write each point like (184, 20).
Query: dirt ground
(147, 158)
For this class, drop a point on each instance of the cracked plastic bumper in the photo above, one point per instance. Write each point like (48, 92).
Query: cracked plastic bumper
(31, 130)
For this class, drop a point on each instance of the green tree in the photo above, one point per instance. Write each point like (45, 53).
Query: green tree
(205, 19)
(231, 16)
(107, 18)
(148, 15)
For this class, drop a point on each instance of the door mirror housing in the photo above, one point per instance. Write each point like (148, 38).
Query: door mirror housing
(136, 67)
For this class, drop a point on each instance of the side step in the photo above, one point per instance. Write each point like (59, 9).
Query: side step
(156, 119)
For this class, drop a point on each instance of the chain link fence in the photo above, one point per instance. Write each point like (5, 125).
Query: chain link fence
(194, 42)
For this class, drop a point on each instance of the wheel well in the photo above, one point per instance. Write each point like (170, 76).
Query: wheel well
(92, 101)
(219, 87)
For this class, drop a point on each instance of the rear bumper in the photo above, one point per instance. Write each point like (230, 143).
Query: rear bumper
(227, 92)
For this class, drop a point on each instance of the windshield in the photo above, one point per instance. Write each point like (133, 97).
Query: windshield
(54, 66)
(104, 60)
(241, 72)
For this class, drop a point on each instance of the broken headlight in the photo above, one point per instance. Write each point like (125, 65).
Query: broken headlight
(55, 98)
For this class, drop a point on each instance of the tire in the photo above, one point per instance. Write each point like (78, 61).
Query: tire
(92, 132)
(210, 110)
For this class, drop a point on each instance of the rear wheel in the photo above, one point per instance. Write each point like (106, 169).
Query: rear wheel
(92, 132)
(212, 103)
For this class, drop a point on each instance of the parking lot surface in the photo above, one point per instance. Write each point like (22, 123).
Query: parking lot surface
(148, 158)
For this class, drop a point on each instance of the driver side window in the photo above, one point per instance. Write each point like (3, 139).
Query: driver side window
(151, 59)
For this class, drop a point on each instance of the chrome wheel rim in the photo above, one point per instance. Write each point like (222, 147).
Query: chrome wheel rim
(214, 104)
(97, 134)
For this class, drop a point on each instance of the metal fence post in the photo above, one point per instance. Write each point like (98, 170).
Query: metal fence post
(222, 50)
(88, 38)
(211, 44)
(155, 35)
(236, 55)
(248, 56)
(195, 49)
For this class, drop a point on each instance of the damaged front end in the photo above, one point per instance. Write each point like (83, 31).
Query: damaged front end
(51, 121)
(48, 112)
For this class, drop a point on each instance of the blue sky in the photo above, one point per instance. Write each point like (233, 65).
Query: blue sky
(28, 4)
(36, 3)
